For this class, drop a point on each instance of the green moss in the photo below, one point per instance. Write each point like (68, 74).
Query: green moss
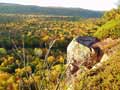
(109, 29)
(105, 78)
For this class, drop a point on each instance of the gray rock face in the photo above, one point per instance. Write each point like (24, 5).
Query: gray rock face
(80, 52)
(80, 56)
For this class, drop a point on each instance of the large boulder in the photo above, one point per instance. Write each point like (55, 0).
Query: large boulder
(80, 52)
(84, 53)
(81, 56)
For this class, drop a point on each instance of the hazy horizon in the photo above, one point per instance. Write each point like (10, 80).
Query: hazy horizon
(86, 4)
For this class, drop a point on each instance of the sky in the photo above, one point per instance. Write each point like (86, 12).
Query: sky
(86, 4)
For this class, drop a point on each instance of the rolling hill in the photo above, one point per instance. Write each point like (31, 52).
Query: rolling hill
(60, 11)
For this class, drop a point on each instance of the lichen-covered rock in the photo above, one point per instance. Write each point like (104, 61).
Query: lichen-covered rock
(80, 52)
(80, 56)
(85, 53)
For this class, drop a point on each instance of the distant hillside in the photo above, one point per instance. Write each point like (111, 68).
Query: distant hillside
(30, 9)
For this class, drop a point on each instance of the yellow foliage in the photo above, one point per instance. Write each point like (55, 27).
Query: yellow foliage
(11, 80)
(27, 69)
(23, 70)
(45, 38)
(15, 86)
(51, 59)
(61, 59)
(38, 52)
(54, 75)
(10, 58)
(17, 62)
(18, 71)
(4, 76)
(7, 61)
(29, 34)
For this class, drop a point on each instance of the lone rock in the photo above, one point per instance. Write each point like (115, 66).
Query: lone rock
(81, 56)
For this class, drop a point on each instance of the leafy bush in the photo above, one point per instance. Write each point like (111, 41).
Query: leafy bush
(110, 29)
(3, 51)
(38, 52)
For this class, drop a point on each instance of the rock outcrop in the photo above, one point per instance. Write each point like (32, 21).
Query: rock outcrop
(85, 53)
(108, 47)
(81, 56)
(80, 52)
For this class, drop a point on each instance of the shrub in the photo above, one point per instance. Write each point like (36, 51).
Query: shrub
(110, 29)
(38, 52)
(3, 51)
